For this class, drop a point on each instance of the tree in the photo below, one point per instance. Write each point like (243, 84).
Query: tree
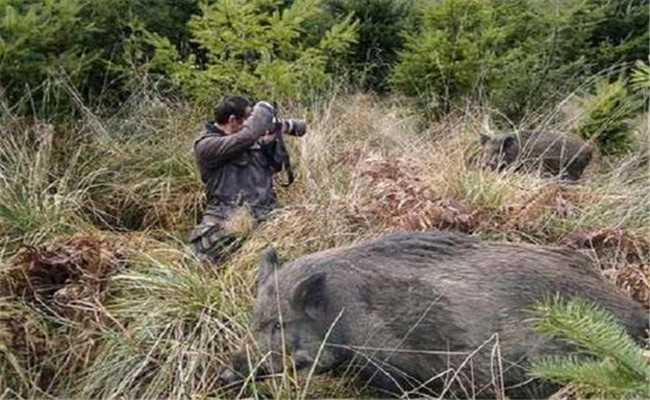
(258, 48)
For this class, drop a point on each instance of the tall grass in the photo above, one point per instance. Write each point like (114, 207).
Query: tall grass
(35, 205)
(167, 323)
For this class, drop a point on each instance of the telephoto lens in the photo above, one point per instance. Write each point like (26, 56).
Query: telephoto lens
(295, 127)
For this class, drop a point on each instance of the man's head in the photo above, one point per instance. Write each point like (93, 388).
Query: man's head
(231, 112)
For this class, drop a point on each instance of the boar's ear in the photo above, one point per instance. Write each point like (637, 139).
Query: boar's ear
(484, 139)
(267, 264)
(509, 142)
(310, 296)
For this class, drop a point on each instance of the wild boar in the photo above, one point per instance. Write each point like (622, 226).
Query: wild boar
(549, 152)
(422, 313)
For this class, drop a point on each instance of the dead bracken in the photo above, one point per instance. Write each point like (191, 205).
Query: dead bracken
(399, 198)
(634, 247)
(68, 276)
(634, 279)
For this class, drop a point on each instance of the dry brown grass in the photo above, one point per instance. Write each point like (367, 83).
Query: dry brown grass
(159, 323)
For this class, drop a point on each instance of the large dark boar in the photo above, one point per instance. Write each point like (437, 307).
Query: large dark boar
(547, 152)
(425, 313)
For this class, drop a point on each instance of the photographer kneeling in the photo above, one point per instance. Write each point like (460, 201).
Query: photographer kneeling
(238, 154)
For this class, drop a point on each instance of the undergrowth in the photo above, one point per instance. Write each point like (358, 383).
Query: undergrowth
(122, 191)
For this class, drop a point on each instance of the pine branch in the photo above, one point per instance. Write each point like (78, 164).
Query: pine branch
(611, 364)
(603, 378)
(593, 330)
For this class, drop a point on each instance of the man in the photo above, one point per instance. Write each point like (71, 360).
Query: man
(237, 155)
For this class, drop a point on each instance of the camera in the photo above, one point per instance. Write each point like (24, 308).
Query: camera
(290, 126)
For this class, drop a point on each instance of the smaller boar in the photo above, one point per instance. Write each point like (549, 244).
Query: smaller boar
(548, 152)
(422, 313)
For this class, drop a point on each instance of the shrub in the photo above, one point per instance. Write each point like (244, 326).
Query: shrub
(256, 47)
(495, 48)
(606, 116)
(380, 25)
(616, 32)
(516, 55)
(38, 38)
(167, 18)
(80, 40)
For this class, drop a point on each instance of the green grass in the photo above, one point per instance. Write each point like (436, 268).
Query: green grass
(167, 323)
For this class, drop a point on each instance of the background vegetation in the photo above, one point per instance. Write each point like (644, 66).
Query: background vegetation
(100, 101)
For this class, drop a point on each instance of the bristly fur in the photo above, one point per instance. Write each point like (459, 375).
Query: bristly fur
(417, 303)
(551, 152)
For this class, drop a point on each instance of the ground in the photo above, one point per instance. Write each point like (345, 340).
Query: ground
(101, 297)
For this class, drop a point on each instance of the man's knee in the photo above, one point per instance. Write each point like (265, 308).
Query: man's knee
(216, 244)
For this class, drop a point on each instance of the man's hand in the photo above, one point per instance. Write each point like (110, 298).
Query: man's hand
(266, 139)
(260, 122)
(265, 107)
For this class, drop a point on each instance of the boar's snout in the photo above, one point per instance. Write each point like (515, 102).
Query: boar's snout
(239, 372)
(494, 161)
(228, 377)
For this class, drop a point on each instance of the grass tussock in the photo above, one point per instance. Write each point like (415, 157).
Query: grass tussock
(102, 298)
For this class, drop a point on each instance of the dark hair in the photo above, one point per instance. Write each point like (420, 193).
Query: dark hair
(230, 105)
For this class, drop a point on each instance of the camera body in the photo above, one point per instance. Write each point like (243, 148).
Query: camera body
(290, 126)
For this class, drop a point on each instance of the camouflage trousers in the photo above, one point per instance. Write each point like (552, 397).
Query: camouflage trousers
(213, 243)
(217, 237)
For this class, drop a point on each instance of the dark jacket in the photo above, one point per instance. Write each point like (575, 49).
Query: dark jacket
(237, 171)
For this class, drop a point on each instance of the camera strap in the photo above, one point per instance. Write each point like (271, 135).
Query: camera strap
(279, 156)
(286, 164)
(289, 171)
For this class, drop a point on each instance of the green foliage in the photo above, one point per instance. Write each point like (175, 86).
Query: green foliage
(380, 25)
(617, 32)
(610, 364)
(167, 18)
(606, 116)
(38, 38)
(600, 33)
(258, 48)
(493, 47)
(81, 41)
(640, 77)
(516, 55)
